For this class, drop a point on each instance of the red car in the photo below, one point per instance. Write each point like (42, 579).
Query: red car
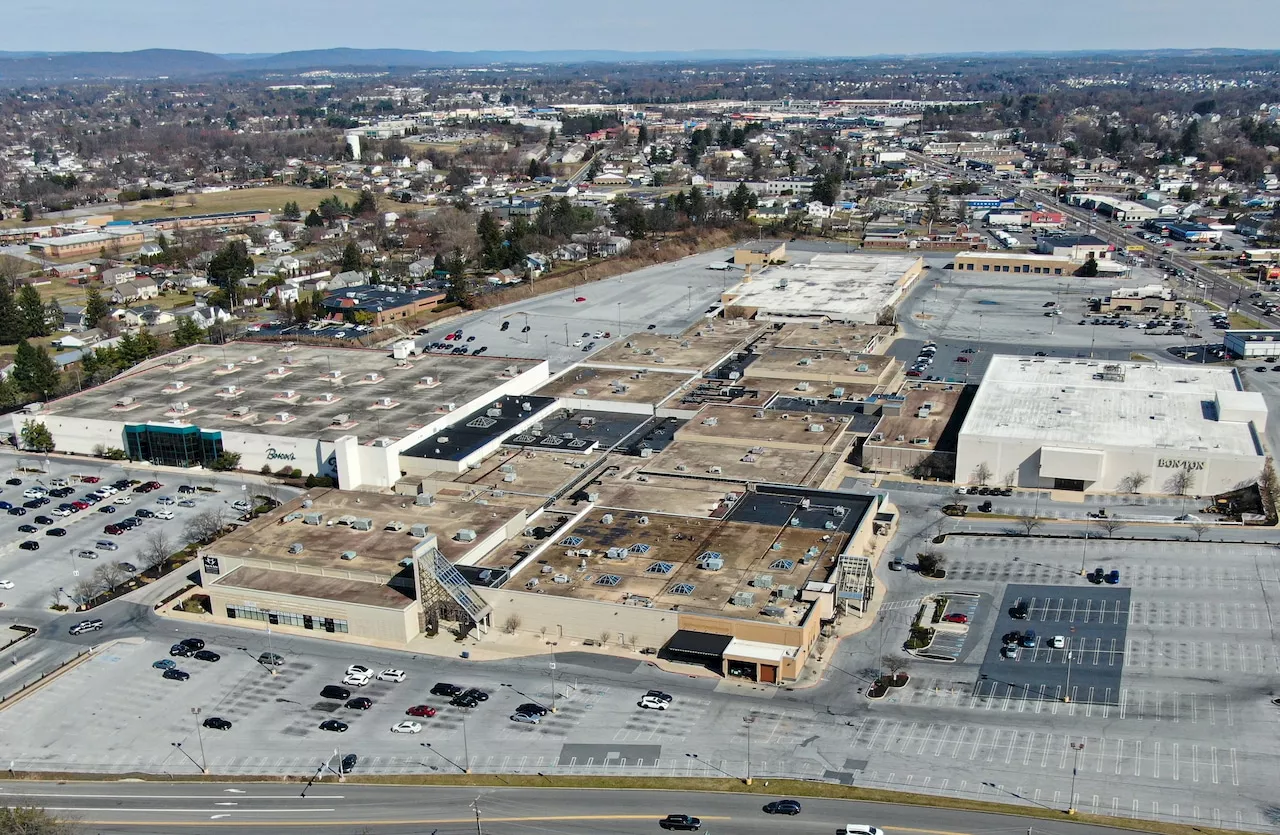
(421, 710)
(448, 337)
(91, 479)
(79, 505)
(154, 485)
(956, 617)
(962, 359)
(114, 530)
(913, 373)
(580, 299)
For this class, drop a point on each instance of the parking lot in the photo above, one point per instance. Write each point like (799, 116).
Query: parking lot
(669, 297)
(1063, 624)
(67, 552)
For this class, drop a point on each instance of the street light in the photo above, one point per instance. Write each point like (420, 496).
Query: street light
(748, 721)
(1084, 553)
(204, 768)
(552, 644)
(1078, 747)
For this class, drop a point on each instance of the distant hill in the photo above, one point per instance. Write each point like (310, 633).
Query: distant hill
(23, 68)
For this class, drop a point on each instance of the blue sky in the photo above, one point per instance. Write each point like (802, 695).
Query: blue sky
(827, 27)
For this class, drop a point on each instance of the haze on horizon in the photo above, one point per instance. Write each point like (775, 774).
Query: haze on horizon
(818, 27)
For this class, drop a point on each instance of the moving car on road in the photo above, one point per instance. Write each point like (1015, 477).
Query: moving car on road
(686, 822)
(782, 807)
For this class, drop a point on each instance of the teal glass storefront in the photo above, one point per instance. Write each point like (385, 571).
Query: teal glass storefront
(172, 446)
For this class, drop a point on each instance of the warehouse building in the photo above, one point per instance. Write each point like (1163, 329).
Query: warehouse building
(1253, 344)
(1094, 426)
(88, 243)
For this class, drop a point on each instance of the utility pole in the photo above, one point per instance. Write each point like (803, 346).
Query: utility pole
(204, 762)
(475, 805)
(1066, 696)
(466, 758)
(748, 721)
(553, 675)
(1084, 553)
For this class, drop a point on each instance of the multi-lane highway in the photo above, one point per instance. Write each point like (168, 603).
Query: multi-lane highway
(393, 810)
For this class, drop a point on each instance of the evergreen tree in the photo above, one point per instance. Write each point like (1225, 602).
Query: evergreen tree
(34, 371)
(10, 396)
(10, 324)
(350, 258)
(490, 242)
(313, 219)
(366, 204)
(229, 267)
(187, 333)
(95, 307)
(291, 211)
(36, 437)
(31, 312)
(438, 265)
(28, 213)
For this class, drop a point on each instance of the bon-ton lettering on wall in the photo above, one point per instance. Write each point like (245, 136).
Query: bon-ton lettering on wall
(1179, 464)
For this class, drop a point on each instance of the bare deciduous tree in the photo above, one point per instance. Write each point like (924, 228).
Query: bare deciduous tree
(206, 525)
(1133, 482)
(982, 473)
(894, 665)
(109, 575)
(930, 563)
(1199, 529)
(1179, 483)
(511, 624)
(1030, 524)
(156, 549)
(1110, 526)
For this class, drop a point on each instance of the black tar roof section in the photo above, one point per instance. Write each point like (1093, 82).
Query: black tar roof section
(776, 505)
(606, 429)
(368, 297)
(688, 642)
(472, 431)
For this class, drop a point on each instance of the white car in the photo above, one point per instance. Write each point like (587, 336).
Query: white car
(6, 584)
(61, 512)
(241, 506)
(391, 675)
(164, 514)
(861, 829)
(358, 669)
(652, 703)
(123, 500)
(406, 728)
(1057, 642)
(577, 343)
(37, 492)
(598, 334)
(526, 718)
(357, 680)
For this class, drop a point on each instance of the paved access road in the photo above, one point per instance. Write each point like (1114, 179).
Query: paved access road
(271, 808)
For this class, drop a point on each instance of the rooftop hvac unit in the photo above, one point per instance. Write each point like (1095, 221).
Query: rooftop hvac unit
(341, 420)
(424, 500)
(420, 531)
(349, 555)
(839, 510)
(616, 554)
(288, 394)
(362, 524)
(181, 406)
(579, 392)
(759, 415)
(465, 535)
(443, 439)
(384, 401)
(509, 478)
(743, 598)
(427, 381)
(593, 497)
(802, 386)
(804, 503)
(373, 377)
(646, 452)
(124, 401)
(526, 407)
(241, 411)
(383, 442)
(283, 417)
(660, 359)
(607, 519)
(252, 358)
(327, 397)
(449, 407)
(313, 518)
(711, 564)
(710, 421)
(177, 385)
(335, 373)
(229, 389)
(838, 391)
(715, 470)
(643, 520)
(279, 370)
(815, 427)
(495, 412)
(228, 366)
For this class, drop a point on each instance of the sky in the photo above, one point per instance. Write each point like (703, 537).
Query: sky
(821, 27)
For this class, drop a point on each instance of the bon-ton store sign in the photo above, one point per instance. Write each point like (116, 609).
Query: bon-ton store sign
(1179, 464)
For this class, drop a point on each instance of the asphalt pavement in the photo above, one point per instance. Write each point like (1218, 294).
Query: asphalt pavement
(392, 810)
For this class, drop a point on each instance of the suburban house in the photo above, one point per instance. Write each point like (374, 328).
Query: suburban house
(118, 275)
(138, 289)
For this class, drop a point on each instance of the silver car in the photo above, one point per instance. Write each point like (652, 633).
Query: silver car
(526, 718)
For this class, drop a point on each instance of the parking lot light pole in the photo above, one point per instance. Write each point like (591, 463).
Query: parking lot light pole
(553, 674)
(204, 761)
(1078, 747)
(748, 721)
(1084, 552)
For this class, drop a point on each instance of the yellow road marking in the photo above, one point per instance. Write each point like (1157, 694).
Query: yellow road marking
(366, 822)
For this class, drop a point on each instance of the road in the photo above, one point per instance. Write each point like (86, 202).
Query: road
(1218, 289)
(390, 810)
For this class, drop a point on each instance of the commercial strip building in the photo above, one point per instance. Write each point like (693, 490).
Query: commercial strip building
(1094, 426)
(1251, 344)
(1060, 263)
(848, 289)
(347, 413)
(379, 305)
